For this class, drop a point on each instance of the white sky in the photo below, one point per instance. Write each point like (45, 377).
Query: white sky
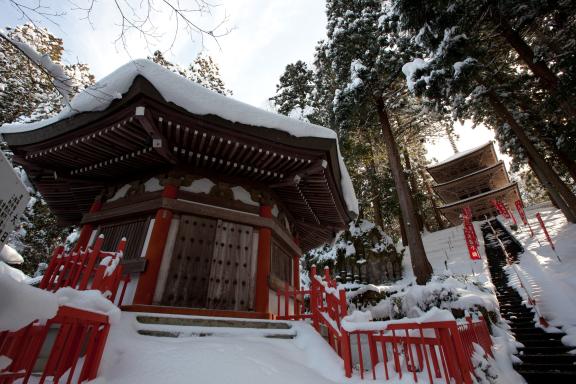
(266, 36)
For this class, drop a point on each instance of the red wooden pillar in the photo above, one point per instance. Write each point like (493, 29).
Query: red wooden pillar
(86, 230)
(296, 278)
(263, 263)
(148, 279)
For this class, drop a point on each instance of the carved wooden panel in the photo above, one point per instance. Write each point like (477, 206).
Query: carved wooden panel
(232, 282)
(133, 230)
(187, 281)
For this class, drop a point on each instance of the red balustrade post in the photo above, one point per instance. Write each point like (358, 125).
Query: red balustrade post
(314, 298)
(346, 352)
(51, 266)
(296, 283)
(92, 258)
(327, 275)
(86, 230)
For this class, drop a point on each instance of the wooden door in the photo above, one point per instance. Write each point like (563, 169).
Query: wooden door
(187, 281)
(232, 276)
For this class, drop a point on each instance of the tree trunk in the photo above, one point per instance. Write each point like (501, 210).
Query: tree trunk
(552, 194)
(403, 235)
(547, 78)
(550, 179)
(451, 139)
(413, 189)
(376, 197)
(437, 216)
(567, 162)
(420, 264)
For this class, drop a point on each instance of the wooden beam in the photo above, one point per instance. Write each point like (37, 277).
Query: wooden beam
(159, 142)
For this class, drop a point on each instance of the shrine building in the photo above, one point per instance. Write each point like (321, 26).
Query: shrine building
(217, 199)
(473, 178)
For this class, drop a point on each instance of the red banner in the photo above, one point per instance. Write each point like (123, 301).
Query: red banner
(470, 234)
(520, 209)
(545, 230)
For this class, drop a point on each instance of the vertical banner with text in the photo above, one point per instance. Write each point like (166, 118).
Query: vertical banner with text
(13, 199)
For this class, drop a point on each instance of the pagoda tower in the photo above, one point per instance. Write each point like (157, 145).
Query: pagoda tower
(473, 178)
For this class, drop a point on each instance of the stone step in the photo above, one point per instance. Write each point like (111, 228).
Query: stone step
(550, 359)
(175, 334)
(543, 350)
(538, 376)
(194, 326)
(212, 322)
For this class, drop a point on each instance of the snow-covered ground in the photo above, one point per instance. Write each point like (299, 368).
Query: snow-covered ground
(240, 357)
(549, 276)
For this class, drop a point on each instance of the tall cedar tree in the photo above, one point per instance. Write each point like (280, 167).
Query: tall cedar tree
(27, 94)
(367, 57)
(294, 93)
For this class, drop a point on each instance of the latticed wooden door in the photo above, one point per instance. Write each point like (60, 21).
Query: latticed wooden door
(188, 277)
(232, 276)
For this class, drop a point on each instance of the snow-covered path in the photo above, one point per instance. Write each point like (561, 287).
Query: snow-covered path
(133, 358)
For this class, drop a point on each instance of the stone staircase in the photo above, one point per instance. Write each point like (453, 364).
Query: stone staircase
(149, 324)
(544, 357)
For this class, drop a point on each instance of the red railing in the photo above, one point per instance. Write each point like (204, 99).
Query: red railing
(73, 356)
(440, 350)
(293, 305)
(91, 268)
(80, 334)
(475, 332)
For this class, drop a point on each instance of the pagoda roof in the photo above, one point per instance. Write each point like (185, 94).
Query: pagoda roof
(492, 177)
(144, 119)
(480, 204)
(464, 163)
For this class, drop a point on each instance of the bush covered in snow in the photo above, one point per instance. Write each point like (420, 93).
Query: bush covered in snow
(362, 253)
(453, 292)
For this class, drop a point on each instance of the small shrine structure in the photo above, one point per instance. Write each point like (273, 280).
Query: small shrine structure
(217, 199)
(473, 178)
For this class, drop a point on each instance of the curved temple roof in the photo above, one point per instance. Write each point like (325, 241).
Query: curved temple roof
(143, 116)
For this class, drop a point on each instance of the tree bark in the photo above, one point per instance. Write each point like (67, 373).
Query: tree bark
(567, 162)
(552, 194)
(376, 197)
(420, 264)
(403, 235)
(550, 179)
(413, 189)
(548, 79)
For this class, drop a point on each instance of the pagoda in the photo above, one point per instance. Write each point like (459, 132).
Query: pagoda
(217, 199)
(473, 178)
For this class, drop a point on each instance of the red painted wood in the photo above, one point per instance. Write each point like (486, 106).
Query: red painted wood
(86, 230)
(148, 279)
(263, 263)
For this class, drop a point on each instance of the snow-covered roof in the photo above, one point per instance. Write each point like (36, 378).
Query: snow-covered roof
(460, 154)
(195, 99)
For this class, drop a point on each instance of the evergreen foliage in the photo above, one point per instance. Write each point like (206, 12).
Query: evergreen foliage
(203, 70)
(27, 94)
